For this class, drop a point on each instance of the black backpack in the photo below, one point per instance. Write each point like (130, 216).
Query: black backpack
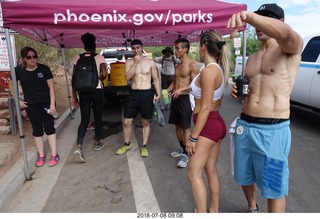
(85, 74)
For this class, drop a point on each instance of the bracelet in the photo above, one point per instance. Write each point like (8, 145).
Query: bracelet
(193, 139)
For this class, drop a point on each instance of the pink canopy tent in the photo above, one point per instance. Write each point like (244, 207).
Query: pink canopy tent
(61, 23)
(155, 22)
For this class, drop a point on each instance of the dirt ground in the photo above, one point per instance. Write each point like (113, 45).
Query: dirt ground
(62, 105)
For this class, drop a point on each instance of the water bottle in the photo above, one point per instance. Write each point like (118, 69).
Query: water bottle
(166, 99)
(55, 115)
(155, 114)
(242, 83)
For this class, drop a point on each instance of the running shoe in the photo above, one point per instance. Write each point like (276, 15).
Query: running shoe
(98, 147)
(54, 160)
(124, 149)
(177, 153)
(90, 127)
(183, 161)
(253, 210)
(144, 151)
(78, 156)
(40, 160)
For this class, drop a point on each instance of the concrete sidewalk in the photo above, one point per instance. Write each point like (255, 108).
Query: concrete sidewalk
(14, 179)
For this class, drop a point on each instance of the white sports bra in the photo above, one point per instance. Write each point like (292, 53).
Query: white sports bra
(196, 91)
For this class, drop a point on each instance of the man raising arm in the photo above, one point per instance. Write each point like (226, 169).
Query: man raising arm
(262, 159)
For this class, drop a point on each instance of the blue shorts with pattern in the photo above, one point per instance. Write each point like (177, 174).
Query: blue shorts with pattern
(261, 157)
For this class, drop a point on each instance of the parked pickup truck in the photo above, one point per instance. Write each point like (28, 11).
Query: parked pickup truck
(115, 86)
(306, 89)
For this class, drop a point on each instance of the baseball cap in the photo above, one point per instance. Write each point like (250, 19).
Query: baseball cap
(270, 10)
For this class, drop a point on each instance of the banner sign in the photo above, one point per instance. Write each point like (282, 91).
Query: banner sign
(4, 57)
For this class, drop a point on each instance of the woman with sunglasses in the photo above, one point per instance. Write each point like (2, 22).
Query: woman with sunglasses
(209, 127)
(37, 84)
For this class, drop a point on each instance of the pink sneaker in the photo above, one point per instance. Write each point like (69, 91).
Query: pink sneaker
(40, 161)
(54, 160)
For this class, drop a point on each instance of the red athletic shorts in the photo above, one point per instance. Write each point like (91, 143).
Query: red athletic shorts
(215, 127)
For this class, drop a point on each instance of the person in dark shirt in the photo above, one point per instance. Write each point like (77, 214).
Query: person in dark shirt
(37, 84)
(89, 100)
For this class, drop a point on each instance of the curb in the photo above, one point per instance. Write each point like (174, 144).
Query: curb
(14, 179)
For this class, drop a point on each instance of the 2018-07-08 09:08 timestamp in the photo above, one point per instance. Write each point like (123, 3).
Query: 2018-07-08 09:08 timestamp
(159, 215)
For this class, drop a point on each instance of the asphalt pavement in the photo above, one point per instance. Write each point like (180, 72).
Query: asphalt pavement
(108, 183)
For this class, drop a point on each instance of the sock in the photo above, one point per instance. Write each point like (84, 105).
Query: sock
(144, 145)
(127, 143)
(183, 147)
(184, 150)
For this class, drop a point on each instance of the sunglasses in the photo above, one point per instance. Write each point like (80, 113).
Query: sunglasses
(30, 57)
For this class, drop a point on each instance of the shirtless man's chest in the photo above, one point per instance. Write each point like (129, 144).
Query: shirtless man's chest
(183, 75)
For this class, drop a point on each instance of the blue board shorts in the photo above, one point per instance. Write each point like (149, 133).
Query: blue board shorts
(261, 157)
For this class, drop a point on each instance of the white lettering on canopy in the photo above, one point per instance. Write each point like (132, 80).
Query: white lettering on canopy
(137, 19)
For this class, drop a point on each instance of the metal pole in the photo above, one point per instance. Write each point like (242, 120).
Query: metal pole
(67, 83)
(12, 116)
(16, 98)
(244, 51)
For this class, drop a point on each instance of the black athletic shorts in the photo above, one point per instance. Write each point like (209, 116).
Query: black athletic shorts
(181, 112)
(139, 101)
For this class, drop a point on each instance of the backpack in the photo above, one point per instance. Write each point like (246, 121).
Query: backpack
(85, 74)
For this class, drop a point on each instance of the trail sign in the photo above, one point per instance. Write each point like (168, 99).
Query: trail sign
(5, 65)
(4, 58)
(237, 42)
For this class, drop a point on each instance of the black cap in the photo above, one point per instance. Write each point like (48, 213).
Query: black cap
(270, 10)
(136, 42)
(167, 49)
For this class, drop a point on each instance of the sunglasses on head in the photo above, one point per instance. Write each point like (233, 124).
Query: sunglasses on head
(30, 57)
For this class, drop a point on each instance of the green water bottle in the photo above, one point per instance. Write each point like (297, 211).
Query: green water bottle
(166, 99)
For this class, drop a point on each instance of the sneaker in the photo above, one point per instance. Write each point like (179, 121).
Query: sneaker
(78, 156)
(177, 153)
(144, 152)
(54, 160)
(183, 161)
(124, 149)
(40, 160)
(90, 127)
(253, 210)
(98, 147)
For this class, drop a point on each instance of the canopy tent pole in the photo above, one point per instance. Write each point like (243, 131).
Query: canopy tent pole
(66, 76)
(244, 51)
(18, 109)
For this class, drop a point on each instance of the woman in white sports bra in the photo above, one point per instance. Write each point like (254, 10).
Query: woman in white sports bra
(209, 127)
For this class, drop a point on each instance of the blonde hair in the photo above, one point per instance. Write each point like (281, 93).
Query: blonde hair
(218, 49)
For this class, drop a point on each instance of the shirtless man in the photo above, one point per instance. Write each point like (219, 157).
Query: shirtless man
(180, 111)
(139, 70)
(262, 137)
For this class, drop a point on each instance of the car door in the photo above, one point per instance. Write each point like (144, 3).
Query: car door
(306, 85)
(315, 85)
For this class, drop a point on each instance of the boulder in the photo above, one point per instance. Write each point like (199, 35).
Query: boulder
(4, 114)
(4, 130)
(4, 103)
(4, 122)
